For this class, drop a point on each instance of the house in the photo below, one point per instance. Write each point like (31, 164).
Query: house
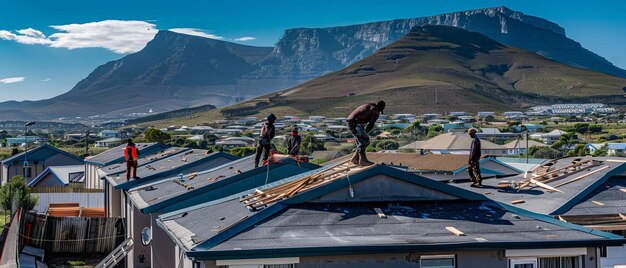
(109, 134)
(617, 149)
(229, 144)
(110, 157)
(593, 147)
(33, 162)
(494, 134)
(21, 140)
(518, 146)
(59, 176)
(376, 216)
(532, 128)
(169, 193)
(550, 137)
(589, 191)
(459, 143)
(485, 114)
(110, 142)
(201, 129)
(196, 138)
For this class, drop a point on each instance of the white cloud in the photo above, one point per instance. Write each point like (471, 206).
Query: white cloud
(24, 39)
(196, 32)
(32, 33)
(119, 36)
(47, 80)
(11, 80)
(245, 38)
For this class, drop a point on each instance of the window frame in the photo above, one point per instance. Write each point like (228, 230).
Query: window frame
(514, 261)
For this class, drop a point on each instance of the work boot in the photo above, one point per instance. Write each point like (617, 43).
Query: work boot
(363, 161)
(355, 159)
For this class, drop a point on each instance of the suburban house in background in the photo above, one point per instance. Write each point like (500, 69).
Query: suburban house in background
(109, 134)
(457, 143)
(110, 142)
(617, 149)
(550, 137)
(21, 141)
(38, 159)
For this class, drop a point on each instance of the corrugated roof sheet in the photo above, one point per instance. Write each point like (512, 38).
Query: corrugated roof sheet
(116, 155)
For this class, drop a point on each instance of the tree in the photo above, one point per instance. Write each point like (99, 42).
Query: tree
(310, 144)
(15, 151)
(17, 193)
(595, 128)
(434, 130)
(581, 128)
(544, 152)
(203, 144)
(155, 135)
(242, 151)
(387, 145)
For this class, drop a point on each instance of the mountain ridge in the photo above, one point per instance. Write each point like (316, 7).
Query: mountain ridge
(178, 71)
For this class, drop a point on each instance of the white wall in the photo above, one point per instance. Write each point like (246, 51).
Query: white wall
(90, 200)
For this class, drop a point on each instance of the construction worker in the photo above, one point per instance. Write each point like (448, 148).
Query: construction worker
(265, 139)
(473, 166)
(293, 142)
(364, 114)
(131, 154)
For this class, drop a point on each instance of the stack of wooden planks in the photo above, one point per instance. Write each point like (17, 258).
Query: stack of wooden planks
(64, 209)
(543, 174)
(260, 199)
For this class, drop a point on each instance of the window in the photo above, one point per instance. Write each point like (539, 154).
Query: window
(523, 263)
(438, 261)
(559, 262)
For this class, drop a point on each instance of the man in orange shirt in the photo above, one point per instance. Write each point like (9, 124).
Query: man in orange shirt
(131, 154)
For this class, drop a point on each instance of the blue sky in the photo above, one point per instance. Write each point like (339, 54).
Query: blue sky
(38, 71)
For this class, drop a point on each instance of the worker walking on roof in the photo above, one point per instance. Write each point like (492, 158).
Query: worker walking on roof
(131, 154)
(364, 114)
(264, 145)
(473, 166)
(293, 142)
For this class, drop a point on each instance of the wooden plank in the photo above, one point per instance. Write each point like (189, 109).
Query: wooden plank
(543, 185)
(615, 160)
(597, 203)
(561, 219)
(455, 231)
(623, 190)
(581, 176)
(518, 201)
(622, 216)
(380, 213)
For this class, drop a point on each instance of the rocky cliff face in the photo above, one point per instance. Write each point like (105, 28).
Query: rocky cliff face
(307, 53)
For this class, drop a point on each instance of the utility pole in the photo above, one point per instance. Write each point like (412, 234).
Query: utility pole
(87, 142)
(30, 123)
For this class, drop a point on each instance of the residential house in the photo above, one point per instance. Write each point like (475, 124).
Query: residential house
(376, 216)
(458, 143)
(170, 193)
(593, 147)
(110, 157)
(21, 141)
(617, 149)
(201, 129)
(518, 146)
(59, 176)
(110, 142)
(550, 137)
(485, 114)
(109, 134)
(589, 191)
(494, 134)
(33, 162)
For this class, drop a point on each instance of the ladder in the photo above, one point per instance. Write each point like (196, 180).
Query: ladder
(118, 254)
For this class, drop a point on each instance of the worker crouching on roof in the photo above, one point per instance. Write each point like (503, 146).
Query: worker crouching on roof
(293, 142)
(364, 114)
(131, 154)
(265, 139)
(473, 166)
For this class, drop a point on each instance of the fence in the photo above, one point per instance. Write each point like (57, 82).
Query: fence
(72, 234)
(89, 200)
